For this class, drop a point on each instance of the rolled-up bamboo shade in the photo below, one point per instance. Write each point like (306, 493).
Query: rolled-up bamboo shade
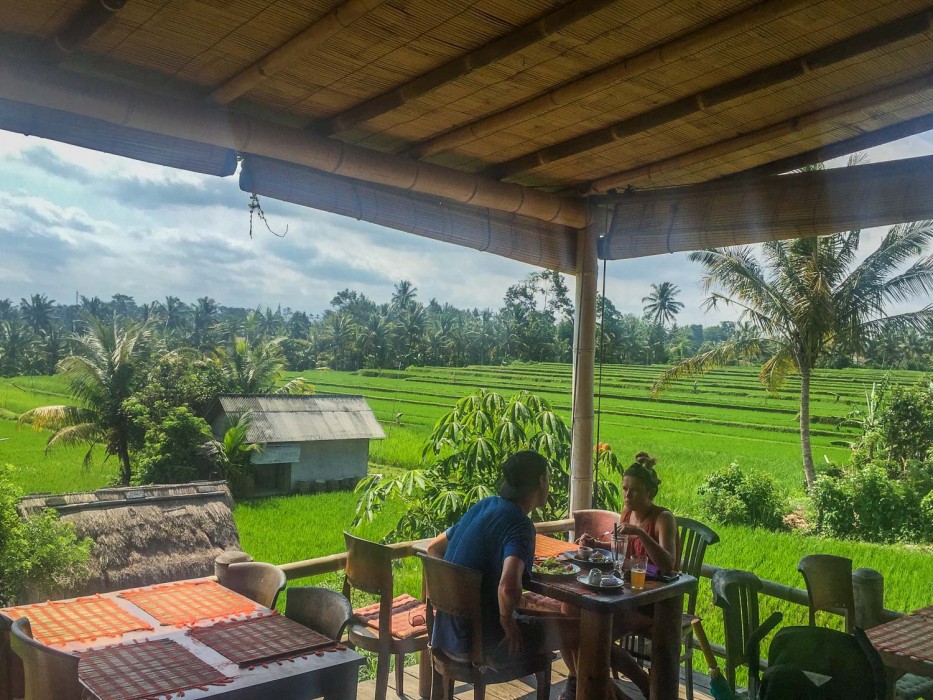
(509, 235)
(757, 209)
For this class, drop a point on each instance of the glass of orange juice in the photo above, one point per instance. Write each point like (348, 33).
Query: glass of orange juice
(639, 569)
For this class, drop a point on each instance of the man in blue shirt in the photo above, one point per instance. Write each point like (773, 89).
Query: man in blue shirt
(497, 537)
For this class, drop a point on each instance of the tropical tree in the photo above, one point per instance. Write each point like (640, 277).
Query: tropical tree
(807, 296)
(662, 307)
(256, 368)
(37, 312)
(100, 376)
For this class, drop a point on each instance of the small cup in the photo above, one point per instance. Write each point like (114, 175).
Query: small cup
(595, 578)
(584, 552)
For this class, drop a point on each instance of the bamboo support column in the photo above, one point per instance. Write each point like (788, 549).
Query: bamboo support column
(584, 357)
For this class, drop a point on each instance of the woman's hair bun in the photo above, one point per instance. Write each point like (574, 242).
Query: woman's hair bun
(643, 468)
(646, 460)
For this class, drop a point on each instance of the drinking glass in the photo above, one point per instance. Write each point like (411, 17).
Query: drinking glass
(619, 550)
(639, 569)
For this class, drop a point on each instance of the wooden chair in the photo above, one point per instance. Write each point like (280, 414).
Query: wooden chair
(49, 673)
(369, 569)
(455, 590)
(693, 538)
(594, 522)
(829, 586)
(320, 609)
(11, 667)
(736, 593)
(255, 580)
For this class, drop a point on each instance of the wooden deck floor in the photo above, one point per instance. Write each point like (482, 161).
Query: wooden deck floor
(517, 690)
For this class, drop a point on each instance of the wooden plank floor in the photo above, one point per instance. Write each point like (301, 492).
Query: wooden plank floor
(523, 689)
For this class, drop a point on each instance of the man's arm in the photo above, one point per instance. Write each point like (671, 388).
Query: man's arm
(510, 593)
(438, 546)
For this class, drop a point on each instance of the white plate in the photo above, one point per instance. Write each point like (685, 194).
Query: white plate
(573, 572)
(584, 579)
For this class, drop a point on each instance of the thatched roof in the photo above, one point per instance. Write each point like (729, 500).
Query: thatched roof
(480, 122)
(298, 418)
(148, 534)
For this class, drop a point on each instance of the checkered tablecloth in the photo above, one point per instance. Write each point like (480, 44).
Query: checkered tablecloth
(148, 670)
(80, 620)
(188, 602)
(910, 636)
(252, 641)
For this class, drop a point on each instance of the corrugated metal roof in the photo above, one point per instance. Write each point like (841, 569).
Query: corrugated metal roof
(304, 418)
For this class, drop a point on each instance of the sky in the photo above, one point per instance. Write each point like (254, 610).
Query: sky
(76, 221)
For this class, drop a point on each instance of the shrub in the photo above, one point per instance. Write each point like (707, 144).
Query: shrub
(732, 497)
(173, 451)
(865, 503)
(38, 553)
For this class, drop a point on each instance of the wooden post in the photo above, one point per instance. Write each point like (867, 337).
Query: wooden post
(225, 559)
(584, 357)
(868, 591)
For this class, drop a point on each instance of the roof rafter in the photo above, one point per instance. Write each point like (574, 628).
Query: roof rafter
(493, 51)
(94, 15)
(870, 99)
(293, 50)
(743, 86)
(625, 69)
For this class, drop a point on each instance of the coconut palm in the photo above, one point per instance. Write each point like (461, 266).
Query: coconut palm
(804, 297)
(256, 368)
(37, 312)
(662, 307)
(100, 377)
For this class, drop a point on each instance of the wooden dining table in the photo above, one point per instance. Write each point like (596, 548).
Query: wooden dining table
(195, 638)
(905, 645)
(597, 608)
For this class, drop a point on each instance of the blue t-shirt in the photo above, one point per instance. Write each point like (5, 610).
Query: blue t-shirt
(491, 531)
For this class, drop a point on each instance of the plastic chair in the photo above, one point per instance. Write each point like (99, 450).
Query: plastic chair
(320, 609)
(11, 668)
(369, 569)
(258, 581)
(736, 593)
(829, 586)
(455, 590)
(852, 665)
(49, 673)
(693, 538)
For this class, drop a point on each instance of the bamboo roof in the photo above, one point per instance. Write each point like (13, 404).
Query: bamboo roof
(518, 106)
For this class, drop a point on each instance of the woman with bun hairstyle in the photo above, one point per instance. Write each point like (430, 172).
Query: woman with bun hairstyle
(652, 532)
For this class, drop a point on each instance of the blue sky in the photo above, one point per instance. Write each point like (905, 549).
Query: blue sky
(74, 220)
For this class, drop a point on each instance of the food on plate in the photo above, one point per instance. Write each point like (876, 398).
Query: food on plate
(610, 580)
(552, 566)
(598, 557)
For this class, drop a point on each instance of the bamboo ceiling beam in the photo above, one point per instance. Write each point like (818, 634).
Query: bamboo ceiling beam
(744, 86)
(293, 50)
(94, 15)
(204, 123)
(495, 50)
(625, 69)
(863, 141)
(755, 209)
(772, 131)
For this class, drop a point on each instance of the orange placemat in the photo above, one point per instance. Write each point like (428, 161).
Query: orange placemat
(155, 669)
(550, 547)
(408, 617)
(187, 602)
(78, 620)
(910, 635)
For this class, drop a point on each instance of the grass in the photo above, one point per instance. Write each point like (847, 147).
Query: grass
(730, 418)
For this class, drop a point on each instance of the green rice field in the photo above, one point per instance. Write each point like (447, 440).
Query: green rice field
(729, 418)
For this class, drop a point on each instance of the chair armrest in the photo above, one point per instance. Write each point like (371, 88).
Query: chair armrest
(752, 646)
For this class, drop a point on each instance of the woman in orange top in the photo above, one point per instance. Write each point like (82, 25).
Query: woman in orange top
(652, 532)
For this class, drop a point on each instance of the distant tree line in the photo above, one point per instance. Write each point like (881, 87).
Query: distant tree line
(533, 324)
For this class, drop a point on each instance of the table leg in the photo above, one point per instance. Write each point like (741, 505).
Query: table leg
(424, 674)
(665, 649)
(342, 682)
(593, 656)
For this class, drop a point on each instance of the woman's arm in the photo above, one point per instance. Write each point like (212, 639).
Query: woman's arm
(663, 551)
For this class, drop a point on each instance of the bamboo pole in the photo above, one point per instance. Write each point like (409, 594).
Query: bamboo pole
(293, 50)
(584, 356)
(117, 104)
(625, 69)
(772, 131)
(500, 48)
(94, 15)
(744, 86)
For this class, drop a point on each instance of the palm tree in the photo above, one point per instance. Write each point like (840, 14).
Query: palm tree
(255, 368)
(662, 307)
(803, 298)
(404, 295)
(100, 377)
(37, 312)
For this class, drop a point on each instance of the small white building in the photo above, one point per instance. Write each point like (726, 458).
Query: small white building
(309, 443)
